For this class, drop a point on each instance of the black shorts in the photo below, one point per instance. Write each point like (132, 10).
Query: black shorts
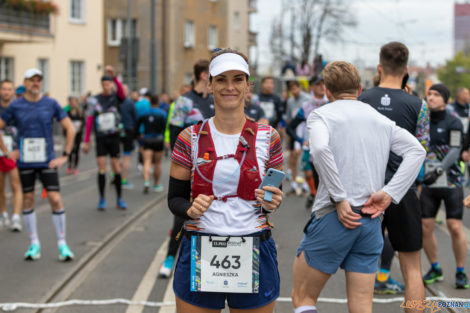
(154, 144)
(291, 143)
(108, 145)
(403, 222)
(128, 141)
(431, 199)
(48, 177)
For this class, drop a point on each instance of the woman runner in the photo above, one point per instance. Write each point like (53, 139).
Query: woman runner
(227, 252)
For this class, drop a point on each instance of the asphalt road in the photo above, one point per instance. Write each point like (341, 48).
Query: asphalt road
(118, 253)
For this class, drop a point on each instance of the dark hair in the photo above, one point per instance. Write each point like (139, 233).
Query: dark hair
(228, 50)
(218, 52)
(266, 78)
(6, 80)
(154, 99)
(200, 67)
(394, 58)
(106, 78)
(292, 83)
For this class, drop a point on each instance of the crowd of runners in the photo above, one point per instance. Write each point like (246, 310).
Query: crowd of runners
(376, 166)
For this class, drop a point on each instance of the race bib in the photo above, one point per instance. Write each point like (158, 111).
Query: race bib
(106, 122)
(8, 142)
(77, 125)
(33, 150)
(455, 138)
(221, 265)
(464, 121)
(441, 181)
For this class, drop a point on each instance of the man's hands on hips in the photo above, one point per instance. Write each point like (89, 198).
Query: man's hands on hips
(347, 216)
(377, 203)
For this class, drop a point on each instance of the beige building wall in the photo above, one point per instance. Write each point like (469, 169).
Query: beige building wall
(238, 24)
(72, 41)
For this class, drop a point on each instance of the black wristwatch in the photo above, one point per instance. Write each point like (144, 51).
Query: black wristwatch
(65, 154)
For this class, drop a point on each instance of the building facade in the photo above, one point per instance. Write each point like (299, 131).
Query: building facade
(66, 46)
(461, 27)
(184, 32)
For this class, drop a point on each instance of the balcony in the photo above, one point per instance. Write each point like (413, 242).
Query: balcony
(252, 6)
(252, 39)
(20, 25)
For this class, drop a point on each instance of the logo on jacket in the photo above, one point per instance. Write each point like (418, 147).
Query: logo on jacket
(385, 100)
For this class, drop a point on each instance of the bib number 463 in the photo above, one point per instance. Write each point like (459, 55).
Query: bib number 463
(226, 263)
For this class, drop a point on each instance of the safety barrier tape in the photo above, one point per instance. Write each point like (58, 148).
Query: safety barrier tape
(10, 307)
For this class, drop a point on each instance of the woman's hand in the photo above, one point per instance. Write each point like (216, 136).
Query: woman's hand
(200, 206)
(275, 201)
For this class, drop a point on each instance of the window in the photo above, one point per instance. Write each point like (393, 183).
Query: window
(77, 78)
(189, 34)
(77, 11)
(6, 68)
(114, 32)
(188, 77)
(43, 66)
(236, 21)
(125, 31)
(117, 29)
(212, 41)
(134, 28)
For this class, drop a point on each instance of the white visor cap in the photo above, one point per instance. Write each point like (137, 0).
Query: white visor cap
(228, 62)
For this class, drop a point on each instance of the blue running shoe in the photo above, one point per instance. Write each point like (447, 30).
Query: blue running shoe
(121, 204)
(461, 281)
(166, 267)
(33, 253)
(102, 204)
(65, 254)
(433, 275)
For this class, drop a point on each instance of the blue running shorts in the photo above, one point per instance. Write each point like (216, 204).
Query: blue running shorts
(269, 284)
(328, 245)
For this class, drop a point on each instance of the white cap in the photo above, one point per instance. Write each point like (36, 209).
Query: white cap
(228, 62)
(143, 91)
(31, 73)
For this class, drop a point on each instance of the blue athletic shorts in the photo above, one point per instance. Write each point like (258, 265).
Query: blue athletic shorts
(269, 282)
(328, 245)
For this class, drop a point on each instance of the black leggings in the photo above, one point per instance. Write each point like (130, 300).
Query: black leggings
(174, 244)
(74, 156)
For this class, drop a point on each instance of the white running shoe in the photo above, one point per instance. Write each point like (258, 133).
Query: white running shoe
(4, 222)
(16, 224)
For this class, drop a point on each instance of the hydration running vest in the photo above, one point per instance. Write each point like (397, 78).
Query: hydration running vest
(250, 177)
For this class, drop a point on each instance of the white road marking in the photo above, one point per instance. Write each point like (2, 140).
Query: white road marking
(148, 281)
(168, 297)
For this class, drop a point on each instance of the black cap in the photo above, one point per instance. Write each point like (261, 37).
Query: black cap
(106, 77)
(315, 79)
(442, 90)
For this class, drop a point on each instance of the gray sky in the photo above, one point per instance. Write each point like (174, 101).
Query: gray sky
(425, 26)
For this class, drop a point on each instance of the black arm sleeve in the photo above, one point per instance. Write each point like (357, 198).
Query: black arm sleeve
(179, 193)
